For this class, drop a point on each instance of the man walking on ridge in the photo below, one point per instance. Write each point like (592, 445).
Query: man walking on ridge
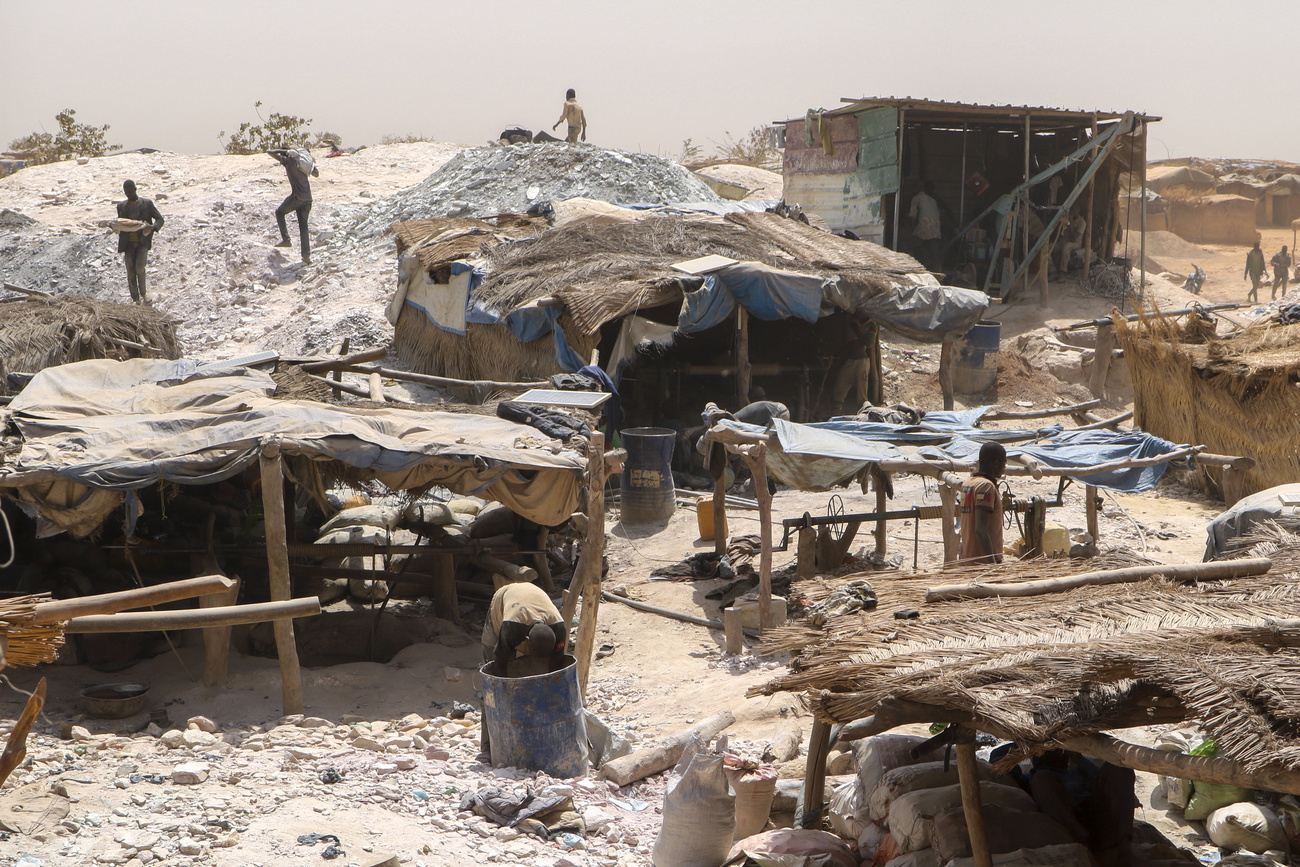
(1281, 270)
(1255, 271)
(572, 114)
(134, 246)
(298, 164)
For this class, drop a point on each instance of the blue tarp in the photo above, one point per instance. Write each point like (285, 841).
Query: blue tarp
(770, 294)
(814, 457)
(528, 324)
(1081, 449)
(705, 308)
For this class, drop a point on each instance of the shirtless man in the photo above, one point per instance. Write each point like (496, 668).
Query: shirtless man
(572, 114)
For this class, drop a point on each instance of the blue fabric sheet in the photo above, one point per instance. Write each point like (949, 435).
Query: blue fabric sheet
(1080, 449)
(705, 308)
(528, 324)
(770, 294)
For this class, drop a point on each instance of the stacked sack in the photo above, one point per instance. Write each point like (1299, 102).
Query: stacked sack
(908, 813)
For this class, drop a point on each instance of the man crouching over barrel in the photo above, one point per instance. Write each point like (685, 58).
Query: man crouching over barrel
(524, 635)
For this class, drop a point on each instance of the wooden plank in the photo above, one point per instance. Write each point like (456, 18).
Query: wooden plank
(1090, 510)
(16, 747)
(216, 639)
(757, 459)
(196, 618)
(625, 770)
(140, 597)
(1101, 360)
(948, 510)
(277, 556)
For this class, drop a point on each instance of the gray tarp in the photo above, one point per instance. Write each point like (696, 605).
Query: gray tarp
(94, 429)
(1245, 514)
(925, 313)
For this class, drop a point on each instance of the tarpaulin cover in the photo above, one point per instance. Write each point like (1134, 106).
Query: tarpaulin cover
(771, 294)
(1246, 513)
(1082, 449)
(927, 313)
(816, 457)
(97, 427)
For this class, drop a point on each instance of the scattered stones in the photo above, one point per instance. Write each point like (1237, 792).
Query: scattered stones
(191, 773)
(202, 723)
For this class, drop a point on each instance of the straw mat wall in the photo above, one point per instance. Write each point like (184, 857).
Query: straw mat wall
(1236, 396)
(486, 352)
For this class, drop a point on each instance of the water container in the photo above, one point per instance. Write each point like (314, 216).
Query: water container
(646, 489)
(975, 365)
(704, 517)
(536, 722)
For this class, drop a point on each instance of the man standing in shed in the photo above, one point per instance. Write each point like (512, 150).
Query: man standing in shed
(574, 116)
(981, 509)
(135, 246)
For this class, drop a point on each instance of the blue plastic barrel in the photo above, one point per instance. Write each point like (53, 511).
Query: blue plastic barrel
(536, 722)
(646, 490)
(975, 366)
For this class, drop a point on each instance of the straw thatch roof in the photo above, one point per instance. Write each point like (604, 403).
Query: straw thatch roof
(1236, 395)
(439, 241)
(1045, 669)
(36, 334)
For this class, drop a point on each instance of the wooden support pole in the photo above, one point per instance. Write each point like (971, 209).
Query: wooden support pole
(16, 746)
(945, 374)
(720, 537)
(277, 556)
(216, 639)
(806, 562)
(346, 361)
(948, 509)
(1044, 264)
(542, 564)
(446, 604)
(882, 506)
(1214, 571)
(1090, 511)
(968, 777)
(513, 571)
(814, 778)
(1101, 359)
(734, 631)
(1092, 191)
(593, 553)
(338, 374)
(141, 597)
(744, 370)
(756, 456)
(1234, 485)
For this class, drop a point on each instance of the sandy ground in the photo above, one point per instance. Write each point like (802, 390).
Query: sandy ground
(214, 267)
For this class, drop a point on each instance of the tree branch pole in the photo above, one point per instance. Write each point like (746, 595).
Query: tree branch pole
(968, 777)
(16, 747)
(593, 551)
(1217, 571)
(756, 457)
(142, 597)
(277, 556)
(195, 618)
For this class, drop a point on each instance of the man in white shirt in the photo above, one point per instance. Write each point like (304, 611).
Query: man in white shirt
(924, 214)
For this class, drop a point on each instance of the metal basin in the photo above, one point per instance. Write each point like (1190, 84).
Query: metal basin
(114, 700)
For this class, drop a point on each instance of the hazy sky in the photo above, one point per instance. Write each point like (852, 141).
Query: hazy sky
(173, 74)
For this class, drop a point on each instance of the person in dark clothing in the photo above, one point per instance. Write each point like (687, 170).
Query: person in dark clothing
(135, 246)
(299, 200)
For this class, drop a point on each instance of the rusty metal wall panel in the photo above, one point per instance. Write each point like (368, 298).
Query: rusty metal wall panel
(800, 159)
(878, 151)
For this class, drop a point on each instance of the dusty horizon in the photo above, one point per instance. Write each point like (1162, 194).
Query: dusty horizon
(648, 78)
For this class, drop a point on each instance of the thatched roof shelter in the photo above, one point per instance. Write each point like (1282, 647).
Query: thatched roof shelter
(1054, 670)
(590, 272)
(1236, 395)
(36, 333)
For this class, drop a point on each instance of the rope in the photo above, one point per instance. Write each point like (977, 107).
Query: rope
(10, 533)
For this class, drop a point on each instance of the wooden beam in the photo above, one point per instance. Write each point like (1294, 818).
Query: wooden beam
(951, 540)
(720, 538)
(1090, 510)
(627, 769)
(814, 778)
(216, 639)
(141, 597)
(277, 556)
(346, 361)
(1000, 414)
(744, 371)
(1087, 232)
(338, 374)
(1101, 360)
(882, 506)
(198, 618)
(594, 552)
(968, 777)
(16, 746)
(945, 374)
(1214, 571)
(757, 460)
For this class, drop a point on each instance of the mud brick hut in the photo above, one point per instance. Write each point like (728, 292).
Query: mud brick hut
(1005, 175)
(688, 307)
(1236, 394)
